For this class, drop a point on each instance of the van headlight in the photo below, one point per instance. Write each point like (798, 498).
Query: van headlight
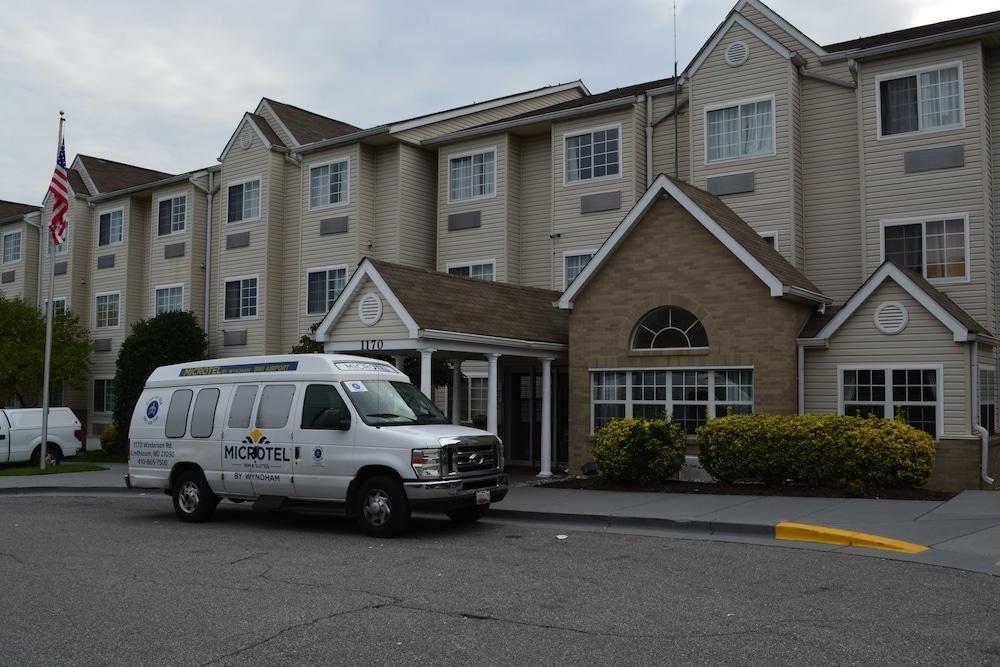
(426, 463)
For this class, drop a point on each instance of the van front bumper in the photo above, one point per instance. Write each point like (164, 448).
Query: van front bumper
(454, 493)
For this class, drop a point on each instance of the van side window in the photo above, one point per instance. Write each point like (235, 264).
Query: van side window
(242, 407)
(177, 415)
(275, 404)
(203, 419)
(318, 399)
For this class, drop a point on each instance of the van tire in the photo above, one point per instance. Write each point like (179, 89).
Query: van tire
(194, 500)
(52, 459)
(467, 514)
(382, 508)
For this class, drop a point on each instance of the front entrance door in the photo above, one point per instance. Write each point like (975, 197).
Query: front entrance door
(525, 402)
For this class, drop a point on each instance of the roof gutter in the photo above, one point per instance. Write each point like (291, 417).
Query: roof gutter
(531, 120)
(180, 178)
(808, 295)
(929, 40)
(342, 139)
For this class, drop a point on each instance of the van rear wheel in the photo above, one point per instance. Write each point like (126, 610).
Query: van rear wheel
(193, 498)
(383, 510)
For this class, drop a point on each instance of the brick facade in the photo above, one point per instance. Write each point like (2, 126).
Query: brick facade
(956, 467)
(670, 259)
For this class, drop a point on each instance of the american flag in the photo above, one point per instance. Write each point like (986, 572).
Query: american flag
(60, 191)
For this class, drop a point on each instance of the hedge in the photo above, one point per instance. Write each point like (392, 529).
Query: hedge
(639, 451)
(816, 450)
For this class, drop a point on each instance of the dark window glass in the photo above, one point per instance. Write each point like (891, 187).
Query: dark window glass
(163, 224)
(177, 414)
(669, 327)
(233, 300)
(923, 417)
(235, 203)
(203, 419)
(317, 292)
(318, 399)
(104, 230)
(898, 102)
(605, 412)
(865, 409)
(904, 246)
(988, 417)
(690, 417)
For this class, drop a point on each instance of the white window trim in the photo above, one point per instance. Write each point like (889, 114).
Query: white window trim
(895, 222)
(100, 294)
(230, 279)
(97, 234)
(468, 391)
(170, 286)
(770, 235)
(156, 207)
(260, 207)
(937, 367)
(347, 183)
(575, 253)
(594, 179)
(476, 151)
(737, 103)
(629, 402)
(56, 300)
(475, 262)
(318, 269)
(917, 72)
(20, 246)
(92, 389)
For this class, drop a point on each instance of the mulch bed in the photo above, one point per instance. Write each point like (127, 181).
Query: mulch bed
(601, 484)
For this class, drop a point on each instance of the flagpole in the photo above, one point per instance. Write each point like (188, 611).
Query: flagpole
(43, 447)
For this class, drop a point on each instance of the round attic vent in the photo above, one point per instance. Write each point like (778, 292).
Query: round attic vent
(737, 53)
(891, 317)
(370, 309)
(246, 139)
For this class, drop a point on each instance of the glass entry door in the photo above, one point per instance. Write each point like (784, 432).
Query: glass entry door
(525, 403)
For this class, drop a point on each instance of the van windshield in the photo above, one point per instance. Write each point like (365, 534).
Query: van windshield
(385, 403)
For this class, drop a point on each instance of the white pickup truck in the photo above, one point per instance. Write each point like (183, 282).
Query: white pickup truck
(21, 435)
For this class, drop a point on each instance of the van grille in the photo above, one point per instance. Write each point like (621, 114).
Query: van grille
(473, 455)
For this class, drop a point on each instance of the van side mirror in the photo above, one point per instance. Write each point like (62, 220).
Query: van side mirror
(336, 419)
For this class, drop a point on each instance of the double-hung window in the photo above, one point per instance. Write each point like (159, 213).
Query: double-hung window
(241, 298)
(58, 306)
(911, 393)
(472, 176)
(574, 263)
(106, 313)
(927, 99)
(739, 130)
(243, 201)
(988, 398)
(329, 184)
(477, 398)
(478, 270)
(936, 248)
(323, 288)
(12, 247)
(593, 154)
(104, 395)
(109, 227)
(169, 298)
(172, 215)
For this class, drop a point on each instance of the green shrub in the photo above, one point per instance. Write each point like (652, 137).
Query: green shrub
(816, 450)
(639, 451)
(110, 442)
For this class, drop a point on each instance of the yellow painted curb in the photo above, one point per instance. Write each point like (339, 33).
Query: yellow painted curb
(804, 532)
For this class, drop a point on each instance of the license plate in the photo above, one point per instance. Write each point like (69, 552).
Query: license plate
(483, 497)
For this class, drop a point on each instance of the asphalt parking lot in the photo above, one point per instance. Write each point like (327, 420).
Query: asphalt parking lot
(118, 580)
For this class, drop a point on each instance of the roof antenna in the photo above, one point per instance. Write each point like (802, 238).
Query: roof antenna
(676, 145)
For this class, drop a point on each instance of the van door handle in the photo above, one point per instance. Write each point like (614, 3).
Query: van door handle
(296, 452)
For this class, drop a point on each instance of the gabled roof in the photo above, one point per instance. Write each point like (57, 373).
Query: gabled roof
(765, 262)
(430, 301)
(266, 130)
(963, 326)
(76, 182)
(108, 175)
(734, 18)
(306, 127)
(929, 30)
(259, 125)
(11, 209)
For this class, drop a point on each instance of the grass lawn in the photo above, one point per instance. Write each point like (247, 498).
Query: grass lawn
(99, 456)
(24, 471)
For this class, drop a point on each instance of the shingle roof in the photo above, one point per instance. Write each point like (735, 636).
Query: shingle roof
(452, 303)
(308, 127)
(76, 182)
(928, 30)
(817, 321)
(110, 176)
(8, 209)
(267, 130)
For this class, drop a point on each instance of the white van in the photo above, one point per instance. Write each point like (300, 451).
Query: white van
(348, 433)
(21, 435)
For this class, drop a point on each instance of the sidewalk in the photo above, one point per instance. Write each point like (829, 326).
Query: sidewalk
(963, 532)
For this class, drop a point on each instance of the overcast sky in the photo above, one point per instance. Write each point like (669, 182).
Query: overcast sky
(162, 85)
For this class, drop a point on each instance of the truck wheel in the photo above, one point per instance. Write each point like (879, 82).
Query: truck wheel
(193, 498)
(383, 510)
(467, 514)
(52, 456)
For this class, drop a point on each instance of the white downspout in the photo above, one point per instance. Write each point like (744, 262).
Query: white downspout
(209, 192)
(984, 435)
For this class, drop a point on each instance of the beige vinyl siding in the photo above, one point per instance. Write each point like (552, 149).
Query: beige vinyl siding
(417, 207)
(487, 242)
(275, 274)
(830, 182)
(638, 139)
(176, 270)
(29, 249)
(924, 341)
(992, 65)
(891, 194)
(114, 279)
(292, 325)
(575, 230)
(350, 328)
(387, 198)
(663, 139)
(137, 255)
(780, 35)
(198, 218)
(770, 207)
(535, 212)
(366, 200)
(513, 203)
(487, 116)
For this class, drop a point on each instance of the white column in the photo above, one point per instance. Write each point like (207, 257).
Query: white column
(546, 470)
(491, 394)
(399, 359)
(456, 391)
(425, 372)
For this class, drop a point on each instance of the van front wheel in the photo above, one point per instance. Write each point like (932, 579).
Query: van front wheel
(193, 498)
(382, 507)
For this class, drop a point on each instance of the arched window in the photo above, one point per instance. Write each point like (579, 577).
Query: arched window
(669, 328)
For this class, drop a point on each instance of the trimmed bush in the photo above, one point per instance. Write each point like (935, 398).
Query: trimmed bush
(836, 451)
(110, 442)
(639, 451)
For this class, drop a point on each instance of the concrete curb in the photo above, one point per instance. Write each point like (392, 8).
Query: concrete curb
(645, 523)
(804, 532)
(49, 490)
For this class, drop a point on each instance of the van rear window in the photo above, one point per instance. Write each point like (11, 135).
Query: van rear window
(177, 415)
(203, 419)
(275, 404)
(242, 406)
